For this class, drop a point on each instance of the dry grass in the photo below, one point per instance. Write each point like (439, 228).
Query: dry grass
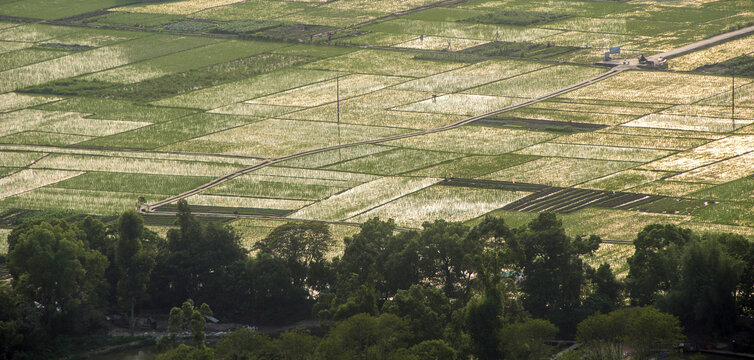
(460, 104)
(670, 188)
(689, 123)
(440, 43)
(30, 179)
(185, 7)
(13, 101)
(475, 140)
(442, 202)
(362, 198)
(595, 152)
(706, 154)
(246, 202)
(721, 172)
(134, 165)
(470, 76)
(609, 139)
(713, 55)
(559, 171)
(624, 180)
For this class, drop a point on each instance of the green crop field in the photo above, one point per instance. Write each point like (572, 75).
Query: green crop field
(349, 109)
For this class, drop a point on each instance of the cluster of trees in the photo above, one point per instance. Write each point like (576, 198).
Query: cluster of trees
(448, 291)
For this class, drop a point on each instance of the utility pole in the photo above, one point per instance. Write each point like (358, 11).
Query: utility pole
(733, 103)
(337, 104)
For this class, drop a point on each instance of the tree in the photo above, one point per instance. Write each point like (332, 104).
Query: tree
(443, 257)
(296, 345)
(636, 329)
(654, 265)
(364, 336)
(704, 297)
(194, 259)
(607, 293)
(134, 262)
(51, 265)
(526, 340)
(246, 344)
(189, 317)
(425, 309)
(300, 244)
(742, 250)
(553, 270)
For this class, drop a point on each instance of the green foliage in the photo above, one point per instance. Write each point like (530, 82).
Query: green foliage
(245, 344)
(654, 265)
(553, 269)
(300, 244)
(526, 340)
(518, 18)
(52, 266)
(425, 309)
(185, 352)
(520, 49)
(365, 336)
(704, 296)
(640, 329)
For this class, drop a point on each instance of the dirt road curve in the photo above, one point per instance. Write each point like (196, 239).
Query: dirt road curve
(704, 43)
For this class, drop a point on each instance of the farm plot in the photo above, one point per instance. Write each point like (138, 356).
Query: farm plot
(171, 132)
(19, 158)
(471, 166)
(55, 9)
(134, 165)
(539, 82)
(33, 33)
(654, 87)
(185, 7)
(277, 187)
(642, 131)
(257, 110)
(374, 109)
(741, 189)
(567, 116)
(30, 179)
(253, 9)
(110, 109)
(614, 153)
(13, 101)
(741, 113)
(475, 140)
(470, 76)
(744, 96)
(329, 157)
(74, 123)
(706, 154)
(728, 213)
(237, 91)
(394, 162)
(560, 171)
(670, 188)
(224, 202)
(362, 198)
(721, 172)
(625, 140)
(213, 53)
(18, 58)
(459, 104)
(380, 62)
(276, 137)
(98, 59)
(135, 183)
(622, 108)
(691, 123)
(624, 180)
(714, 54)
(85, 201)
(442, 202)
(325, 92)
(461, 30)
(27, 119)
(440, 43)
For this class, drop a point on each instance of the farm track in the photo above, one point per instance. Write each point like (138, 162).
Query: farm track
(152, 208)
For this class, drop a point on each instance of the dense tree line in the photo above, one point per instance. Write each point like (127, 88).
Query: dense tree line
(448, 291)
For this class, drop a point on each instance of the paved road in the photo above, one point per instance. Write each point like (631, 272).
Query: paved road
(689, 48)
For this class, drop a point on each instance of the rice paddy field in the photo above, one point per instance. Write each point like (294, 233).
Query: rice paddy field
(344, 110)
